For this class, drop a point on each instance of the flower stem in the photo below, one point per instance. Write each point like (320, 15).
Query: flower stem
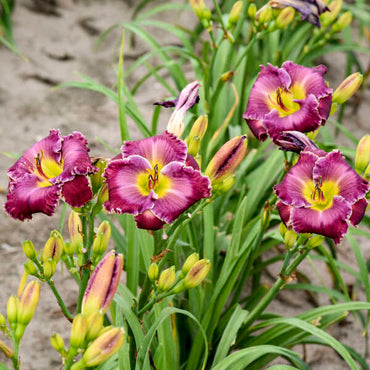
(15, 357)
(61, 303)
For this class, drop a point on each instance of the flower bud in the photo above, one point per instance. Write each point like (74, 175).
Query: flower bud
(282, 229)
(347, 88)
(94, 323)
(12, 310)
(367, 173)
(252, 10)
(54, 247)
(29, 249)
(102, 238)
(75, 231)
(57, 343)
(2, 323)
(22, 283)
(227, 159)
(235, 13)
(49, 268)
(103, 284)
(8, 352)
(78, 331)
(290, 238)
(103, 194)
(224, 185)
(197, 273)
(28, 303)
(30, 268)
(227, 76)
(196, 134)
(362, 154)
(285, 17)
(302, 239)
(264, 14)
(343, 21)
(103, 347)
(189, 263)
(166, 278)
(153, 271)
(200, 9)
(68, 248)
(329, 17)
(97, 177)
(315, 241)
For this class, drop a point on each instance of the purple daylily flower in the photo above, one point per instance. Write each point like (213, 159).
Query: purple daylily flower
(322, 194)
(155, 180)
(290, 98)
(56, 166)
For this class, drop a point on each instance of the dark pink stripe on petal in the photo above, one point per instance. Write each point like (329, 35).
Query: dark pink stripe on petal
(331, 222)
(358, 211)
(77, 192)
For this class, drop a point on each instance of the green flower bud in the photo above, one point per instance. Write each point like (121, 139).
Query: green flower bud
(196, 134)
(282, 229)
(347, 88)
(49, 268)
(362, 154)
(103, 194)
(264, 14)
(227, 76)
(29, 249)
(252, 10)
(153, 271)
(303, 238)
(197, 273)
(12, 310)
(57, 343)
(329, 17)
(78, 332)
(367, 173)
(285, 17)
(28, 303)
(2, 322)
(8, 352)
(166, 278)
(315, 241)
(290, 238)
(30, 268)
(103, 347)
(235, 13)
(224, 185)
(54, 247)
(94, 324)
(189, 263)
(75, 231)
(343, 21)
(68, 249)
(97, 179)
(102, 238)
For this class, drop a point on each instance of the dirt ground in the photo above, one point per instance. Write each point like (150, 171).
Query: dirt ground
(58, 42)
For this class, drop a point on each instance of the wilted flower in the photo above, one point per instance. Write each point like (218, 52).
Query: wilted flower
(310, 9)
(54, 167)
(290, 98)
(188, 98)
(154, 180)
(322, 194)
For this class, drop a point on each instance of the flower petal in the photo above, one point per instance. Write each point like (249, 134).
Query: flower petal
(331, 222)
(285, 212)
(77, 192)
(187, 187)
(124, 192)
(26, 197)
(149, 221)
(333, 167)
(161, 149)
(290, 190)
(49, 147)
(358, 211)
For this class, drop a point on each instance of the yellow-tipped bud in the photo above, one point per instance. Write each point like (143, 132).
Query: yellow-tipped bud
(57, 343)
(8, 352)
(343, 21)
(28, 303)
(282, 229)
(303, 238)
(227, 76)
(285, 17)
(200, 9)
(103, 347)
(30, 268)
(78, 332)
(103, 194)
(329, 17)
(12, 310)
(94, 324)
(75, 231)
(362, 154)
(235, 13)
(315, 241)
(102, 238)
(227, 159)
(224, 185)
(367, 173)
(29, 249)
(189, 263)
(68, 248)
(264, 14)
(22, 283)
(2, 322)
(197, 273)
(290, 238)
(196, 134)
(347, 88)
(49, 268)
(97, 179)
(153, 271)
(54, 247)
(252, 10)
(166, 278)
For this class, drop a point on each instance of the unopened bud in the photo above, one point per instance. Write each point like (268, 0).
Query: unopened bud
(57, 343)
(290, 238)
(12, 310)
(166, 278)
(30, 268)
(362, 154)
(252, 10)
(94, 324)
(200, 9)
(2, 322)
(78, 331)
(227, 76)
(103, 347)
(285, 17)
(282, 229)
(227, 159)
(196, 134)
(22, 283)
(102, 238)
(347, 88)
(103, 284)
(303, 238)
(235, 13)
(103, 194)
(54, 247)
(264, 14)
(68, 248)
(189, 263)
(315, 241)
(28, 303)
(75, 231)
(329, 17)
(153, 271)
(29, 249)
(197, 273)
(97, 178)
(367, 173)
(343, 21)
(49, 268)
(8, 352)
(224, 185)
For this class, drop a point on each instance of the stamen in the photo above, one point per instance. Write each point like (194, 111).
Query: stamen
(279, 99)
(153, 180)
(320, 193)
(38, 160)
